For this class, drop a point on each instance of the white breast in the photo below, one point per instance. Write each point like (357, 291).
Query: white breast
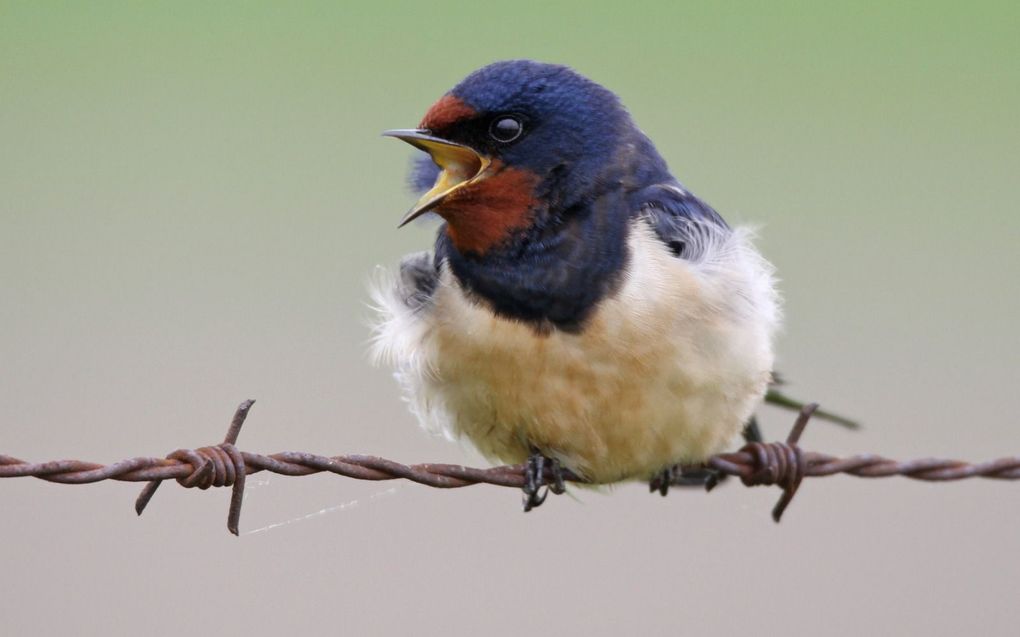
(667, 370)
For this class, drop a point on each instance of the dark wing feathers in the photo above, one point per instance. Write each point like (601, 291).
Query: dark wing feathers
(679, 218)
(419, 277)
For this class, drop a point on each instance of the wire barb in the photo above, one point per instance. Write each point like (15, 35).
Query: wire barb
(219, 466)
(782, 464)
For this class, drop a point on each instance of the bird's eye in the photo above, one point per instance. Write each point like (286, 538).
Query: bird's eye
(506, 129)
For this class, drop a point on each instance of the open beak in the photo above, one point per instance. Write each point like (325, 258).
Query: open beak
(460, 165)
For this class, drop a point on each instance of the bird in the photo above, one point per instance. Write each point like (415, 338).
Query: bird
(580, 309)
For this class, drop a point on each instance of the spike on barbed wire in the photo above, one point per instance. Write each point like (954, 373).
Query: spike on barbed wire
(776, 463)
(219, 466)
(782, 464)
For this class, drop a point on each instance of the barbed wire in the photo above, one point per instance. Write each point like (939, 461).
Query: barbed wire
(782, 464)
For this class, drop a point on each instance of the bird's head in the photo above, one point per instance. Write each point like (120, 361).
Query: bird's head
(516, 142)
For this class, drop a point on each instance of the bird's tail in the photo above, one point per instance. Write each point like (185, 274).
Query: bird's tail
(775, 397)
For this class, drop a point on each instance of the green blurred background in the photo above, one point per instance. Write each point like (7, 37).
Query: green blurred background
(193, 195)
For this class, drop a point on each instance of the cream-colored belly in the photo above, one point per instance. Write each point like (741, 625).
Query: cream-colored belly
(666, 371)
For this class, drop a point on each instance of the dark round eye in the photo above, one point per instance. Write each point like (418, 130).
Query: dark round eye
(506, 128)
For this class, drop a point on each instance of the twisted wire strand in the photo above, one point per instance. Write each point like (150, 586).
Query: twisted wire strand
(782, 464)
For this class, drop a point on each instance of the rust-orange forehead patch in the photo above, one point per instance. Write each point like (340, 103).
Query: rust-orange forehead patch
(446, 111)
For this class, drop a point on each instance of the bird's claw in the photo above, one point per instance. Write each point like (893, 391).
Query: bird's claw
(681, 476)
(662, 480)
(536, 489)
(700, 476)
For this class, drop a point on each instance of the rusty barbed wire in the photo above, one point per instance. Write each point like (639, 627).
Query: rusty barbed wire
(782, 464)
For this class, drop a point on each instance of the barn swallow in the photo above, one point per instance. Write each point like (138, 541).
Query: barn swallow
(581, 308)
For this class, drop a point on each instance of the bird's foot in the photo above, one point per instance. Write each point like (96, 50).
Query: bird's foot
(535, 486)
(662, 480)
(681, 476)
(698, 476)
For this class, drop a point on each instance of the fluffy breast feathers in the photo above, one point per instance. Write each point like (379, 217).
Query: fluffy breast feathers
(667, 369)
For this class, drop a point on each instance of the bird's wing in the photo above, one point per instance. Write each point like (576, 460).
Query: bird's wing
(683, 222)
(419, 277)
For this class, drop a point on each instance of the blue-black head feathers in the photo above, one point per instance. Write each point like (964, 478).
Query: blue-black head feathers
(589, 172)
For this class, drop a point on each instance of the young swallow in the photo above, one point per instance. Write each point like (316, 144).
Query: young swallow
(581, 305)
